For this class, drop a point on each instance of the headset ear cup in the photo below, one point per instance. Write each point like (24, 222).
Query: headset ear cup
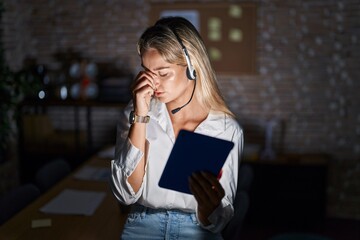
(189, 75)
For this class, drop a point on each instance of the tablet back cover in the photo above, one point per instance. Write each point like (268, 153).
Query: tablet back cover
(193, 152)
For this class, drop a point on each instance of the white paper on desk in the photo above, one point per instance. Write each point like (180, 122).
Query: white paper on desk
(93, 173)
(74, 202)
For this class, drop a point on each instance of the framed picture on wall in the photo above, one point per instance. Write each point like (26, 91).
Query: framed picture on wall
(228, 30)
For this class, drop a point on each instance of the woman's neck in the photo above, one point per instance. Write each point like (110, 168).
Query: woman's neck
(188, 117)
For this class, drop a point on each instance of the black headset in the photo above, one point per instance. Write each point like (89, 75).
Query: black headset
(190, 71)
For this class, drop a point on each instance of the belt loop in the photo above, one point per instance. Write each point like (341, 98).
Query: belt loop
(144, 211)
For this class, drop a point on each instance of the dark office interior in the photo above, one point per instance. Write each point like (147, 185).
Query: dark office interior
(289, 70)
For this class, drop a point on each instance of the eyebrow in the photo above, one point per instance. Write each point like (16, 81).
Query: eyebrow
(156, 69)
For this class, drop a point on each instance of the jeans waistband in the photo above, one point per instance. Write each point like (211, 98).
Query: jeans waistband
(142, 209)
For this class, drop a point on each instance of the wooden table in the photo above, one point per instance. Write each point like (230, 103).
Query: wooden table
(106, 223)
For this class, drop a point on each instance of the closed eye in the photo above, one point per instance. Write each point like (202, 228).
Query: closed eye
(163, 74)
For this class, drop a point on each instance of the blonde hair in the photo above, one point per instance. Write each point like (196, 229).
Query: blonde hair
(163, 36)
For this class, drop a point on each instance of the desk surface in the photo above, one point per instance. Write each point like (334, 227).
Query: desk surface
(106, 223)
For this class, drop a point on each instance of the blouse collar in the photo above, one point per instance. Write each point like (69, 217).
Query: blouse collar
(213, 125)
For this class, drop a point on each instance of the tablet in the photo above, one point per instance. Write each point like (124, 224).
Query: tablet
(193, 152)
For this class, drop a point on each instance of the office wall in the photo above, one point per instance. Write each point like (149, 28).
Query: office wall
(308, 58)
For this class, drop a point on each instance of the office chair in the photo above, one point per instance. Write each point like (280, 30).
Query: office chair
(15, 200)
(51, 173)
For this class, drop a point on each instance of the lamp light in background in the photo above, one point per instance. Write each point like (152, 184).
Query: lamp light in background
(41, 94)
(63, 92)
(45, 80)
(85, 74)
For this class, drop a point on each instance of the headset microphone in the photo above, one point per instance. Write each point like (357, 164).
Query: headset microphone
(190, 72)
(179, 108)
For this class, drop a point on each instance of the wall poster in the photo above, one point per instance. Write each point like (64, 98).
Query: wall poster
(228, 30)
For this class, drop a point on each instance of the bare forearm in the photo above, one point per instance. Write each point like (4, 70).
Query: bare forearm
(142, 94)
(137, 136)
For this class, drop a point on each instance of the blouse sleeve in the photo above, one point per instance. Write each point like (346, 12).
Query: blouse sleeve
(225, 211)
(127, 156)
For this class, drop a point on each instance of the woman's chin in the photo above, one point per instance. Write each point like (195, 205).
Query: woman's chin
(161, 99)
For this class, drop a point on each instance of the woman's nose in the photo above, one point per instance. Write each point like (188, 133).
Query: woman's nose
(156, 81)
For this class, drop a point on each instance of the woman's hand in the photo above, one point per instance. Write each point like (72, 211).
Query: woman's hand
(143, 90)
(208, 193)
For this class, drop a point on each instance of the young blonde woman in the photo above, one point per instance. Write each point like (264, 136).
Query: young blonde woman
(176, 90)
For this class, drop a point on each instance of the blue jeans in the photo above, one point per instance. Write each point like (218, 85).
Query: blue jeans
(147, 223)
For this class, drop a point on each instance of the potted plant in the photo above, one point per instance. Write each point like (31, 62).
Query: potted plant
(14, 86)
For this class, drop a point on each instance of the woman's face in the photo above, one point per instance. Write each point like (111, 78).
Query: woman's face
(170, 79)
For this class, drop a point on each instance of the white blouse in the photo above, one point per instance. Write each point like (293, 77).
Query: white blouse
(160, 139)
